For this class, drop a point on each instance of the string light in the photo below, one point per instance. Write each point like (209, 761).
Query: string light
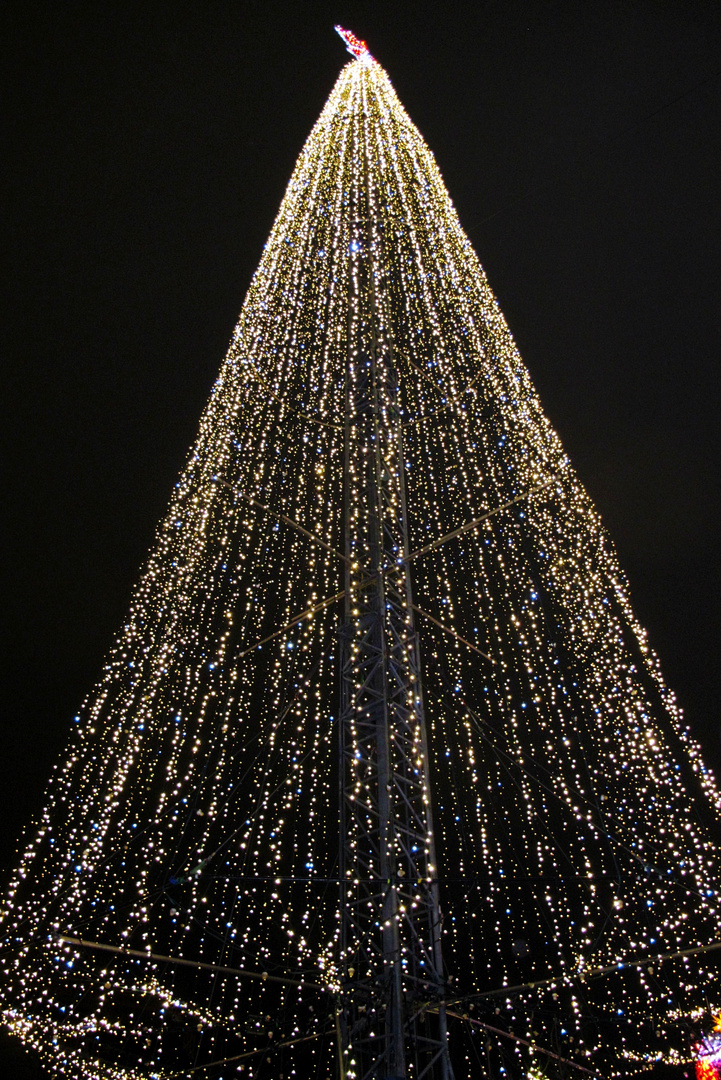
(196, 813)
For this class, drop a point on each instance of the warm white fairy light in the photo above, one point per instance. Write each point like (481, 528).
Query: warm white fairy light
(196, 814)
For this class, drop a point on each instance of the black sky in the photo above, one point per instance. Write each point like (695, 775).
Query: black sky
(147, 148)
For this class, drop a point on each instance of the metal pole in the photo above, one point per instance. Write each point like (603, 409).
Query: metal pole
(391, 960)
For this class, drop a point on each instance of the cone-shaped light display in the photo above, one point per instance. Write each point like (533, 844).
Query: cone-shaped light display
(185, 907)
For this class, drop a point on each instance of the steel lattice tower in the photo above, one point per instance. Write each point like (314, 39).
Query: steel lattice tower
(391, 918)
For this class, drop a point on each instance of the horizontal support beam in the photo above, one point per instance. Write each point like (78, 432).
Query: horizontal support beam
(177, 961)
(307, 614)
(452, 633)
(477, 521)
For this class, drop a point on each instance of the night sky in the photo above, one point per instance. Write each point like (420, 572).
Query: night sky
(147, 149)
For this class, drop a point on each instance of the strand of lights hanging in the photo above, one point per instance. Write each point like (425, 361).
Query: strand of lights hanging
(195, 814)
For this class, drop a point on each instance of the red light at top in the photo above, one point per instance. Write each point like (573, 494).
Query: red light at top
(354, 45)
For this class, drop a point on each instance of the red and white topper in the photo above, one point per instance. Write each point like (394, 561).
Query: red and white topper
(354, 45)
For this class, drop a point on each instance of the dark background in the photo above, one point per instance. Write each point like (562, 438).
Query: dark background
(147, 148)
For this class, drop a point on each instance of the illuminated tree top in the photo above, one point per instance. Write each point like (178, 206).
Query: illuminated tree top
(354, 45)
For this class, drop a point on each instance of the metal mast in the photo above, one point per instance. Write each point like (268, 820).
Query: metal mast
(393, 1019)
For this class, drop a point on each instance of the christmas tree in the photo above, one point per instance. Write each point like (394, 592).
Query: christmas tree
(381, 777)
